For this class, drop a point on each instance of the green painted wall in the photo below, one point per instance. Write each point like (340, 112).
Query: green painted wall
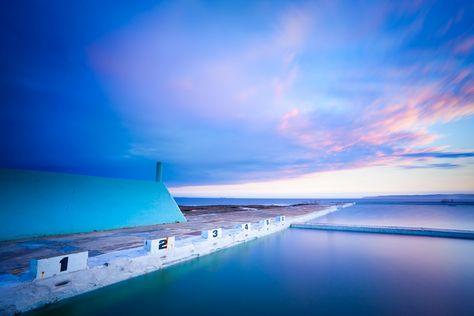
(34, 203)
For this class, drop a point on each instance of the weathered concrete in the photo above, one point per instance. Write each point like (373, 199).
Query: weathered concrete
(37, 203)
(415, 231)
(15, 255)
(22, 293)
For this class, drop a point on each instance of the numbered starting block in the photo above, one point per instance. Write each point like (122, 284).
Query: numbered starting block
(162, 245)
(265, 224)
(243, 230)
(280, 220)
(48, 267)
(212, 233)
(245, 227)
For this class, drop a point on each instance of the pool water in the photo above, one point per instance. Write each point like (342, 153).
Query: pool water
(408, 215)
(301, 272)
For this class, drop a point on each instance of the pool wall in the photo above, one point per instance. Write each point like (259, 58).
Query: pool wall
(35, 203)
(410, 231)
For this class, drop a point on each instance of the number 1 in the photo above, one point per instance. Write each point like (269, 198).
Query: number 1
(63, 263)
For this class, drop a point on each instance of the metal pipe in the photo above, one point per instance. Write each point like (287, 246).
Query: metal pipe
(159, 172)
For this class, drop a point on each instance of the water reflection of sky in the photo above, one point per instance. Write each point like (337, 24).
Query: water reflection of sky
(431, 216)
(302, 272)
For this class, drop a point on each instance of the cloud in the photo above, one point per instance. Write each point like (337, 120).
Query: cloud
(216, 77)
(431, 154)
(308, 89)
(433, 165)
(465, 46)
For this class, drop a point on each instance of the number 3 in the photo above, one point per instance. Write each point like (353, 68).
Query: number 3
(214, 233)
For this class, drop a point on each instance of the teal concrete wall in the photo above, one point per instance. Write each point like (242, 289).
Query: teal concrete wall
(36, 203)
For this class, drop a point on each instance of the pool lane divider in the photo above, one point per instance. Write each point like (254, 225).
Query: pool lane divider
(56, 278)
(393, 230)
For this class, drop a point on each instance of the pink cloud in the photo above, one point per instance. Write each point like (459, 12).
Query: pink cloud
(217, 80)
(399, 128)
(342, 92)
(465, 46)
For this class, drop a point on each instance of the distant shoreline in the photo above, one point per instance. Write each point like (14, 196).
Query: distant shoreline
(427, 199)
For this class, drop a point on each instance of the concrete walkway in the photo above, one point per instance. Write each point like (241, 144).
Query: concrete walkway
(415, 231)
(15, 255)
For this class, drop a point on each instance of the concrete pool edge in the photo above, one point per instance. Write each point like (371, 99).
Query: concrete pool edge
(121, 265)
(392, 230)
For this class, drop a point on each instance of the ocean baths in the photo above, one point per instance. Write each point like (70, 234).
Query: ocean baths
(200, 235)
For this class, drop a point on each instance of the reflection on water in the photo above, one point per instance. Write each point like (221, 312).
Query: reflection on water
(301, 272)
(432, 216)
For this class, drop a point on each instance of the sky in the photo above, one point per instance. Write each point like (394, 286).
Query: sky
(243, 98)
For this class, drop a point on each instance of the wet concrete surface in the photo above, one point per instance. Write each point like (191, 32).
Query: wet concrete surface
(15, 255)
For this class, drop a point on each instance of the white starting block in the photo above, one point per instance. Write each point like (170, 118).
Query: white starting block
(280, 219)
(154, 246)
(212, 233)
(48, 267)
(245, 227)
(265, 224)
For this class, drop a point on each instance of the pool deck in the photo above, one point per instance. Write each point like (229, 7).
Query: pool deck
(15, 255)
(118, 255)
(412, 231)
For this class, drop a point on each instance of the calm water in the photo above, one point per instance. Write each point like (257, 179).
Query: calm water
(410, 215)
(301, 272)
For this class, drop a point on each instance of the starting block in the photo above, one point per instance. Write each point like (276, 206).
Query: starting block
(212, 233)
(48, 267)
(154, 246)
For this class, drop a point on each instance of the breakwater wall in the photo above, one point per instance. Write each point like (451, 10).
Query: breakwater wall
(412, 231)
(36, 203)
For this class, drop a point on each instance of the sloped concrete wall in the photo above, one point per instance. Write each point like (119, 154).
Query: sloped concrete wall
(34, 203)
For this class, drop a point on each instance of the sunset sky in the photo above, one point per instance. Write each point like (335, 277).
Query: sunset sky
(243, 98)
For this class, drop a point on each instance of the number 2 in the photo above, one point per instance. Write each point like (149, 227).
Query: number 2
(163, 244)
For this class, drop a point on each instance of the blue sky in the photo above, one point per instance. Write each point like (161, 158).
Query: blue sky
(237, 97)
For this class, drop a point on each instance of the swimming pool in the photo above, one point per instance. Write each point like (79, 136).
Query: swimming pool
(301, 272)
(408, 215)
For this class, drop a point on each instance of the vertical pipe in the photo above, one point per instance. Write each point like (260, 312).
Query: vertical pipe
(159, 172)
